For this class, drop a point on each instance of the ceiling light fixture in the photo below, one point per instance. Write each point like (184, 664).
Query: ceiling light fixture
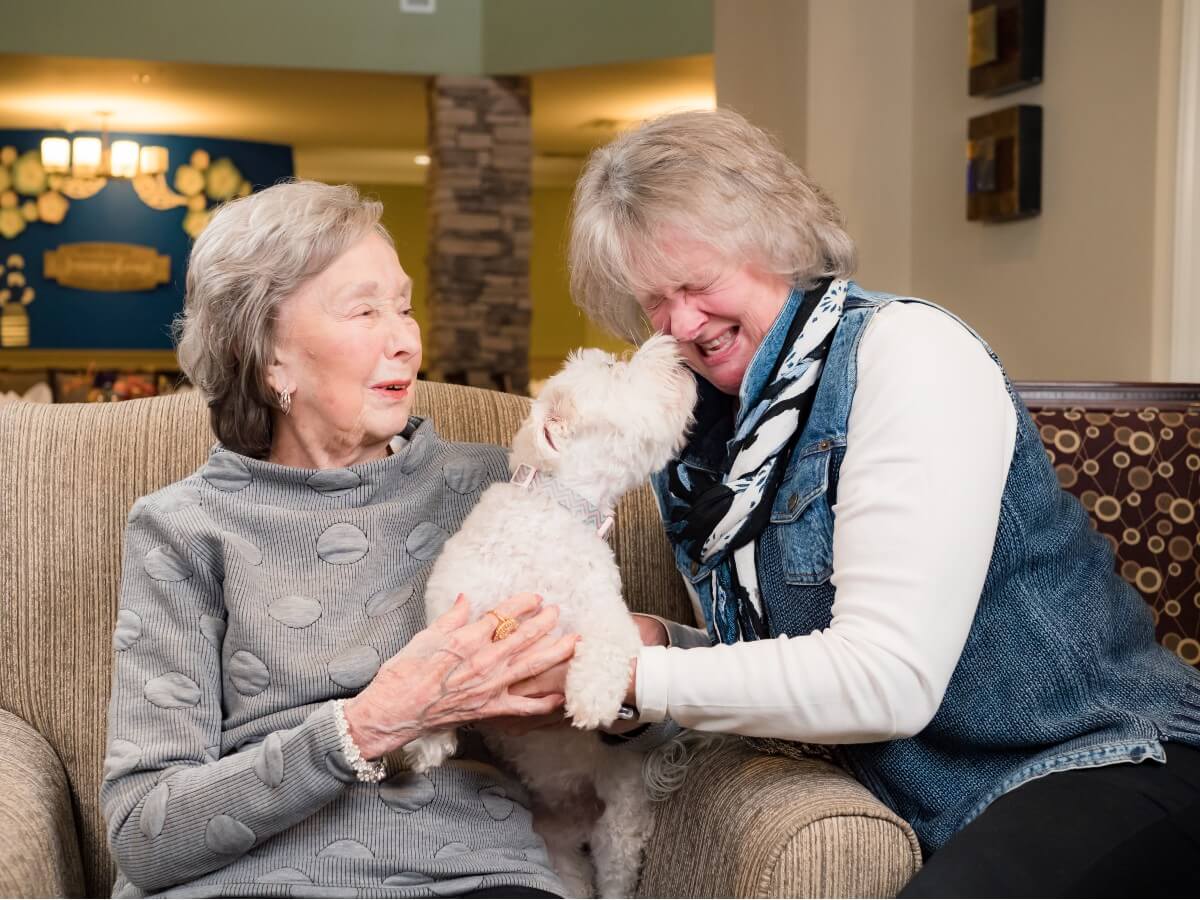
(56, 155)
(87, 157)
(92, 157)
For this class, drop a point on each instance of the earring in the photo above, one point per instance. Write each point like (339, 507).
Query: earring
(285, 401)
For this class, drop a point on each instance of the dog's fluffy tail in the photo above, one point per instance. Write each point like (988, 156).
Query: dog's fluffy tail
(664, 768)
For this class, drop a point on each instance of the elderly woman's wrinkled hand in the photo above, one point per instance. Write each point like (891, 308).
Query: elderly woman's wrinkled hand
(546, 684)
(453, 672)
(554, 681)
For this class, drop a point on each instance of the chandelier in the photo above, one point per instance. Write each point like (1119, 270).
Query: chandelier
(93, 157)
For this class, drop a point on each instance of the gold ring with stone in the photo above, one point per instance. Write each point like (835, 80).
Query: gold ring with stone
(505, 627)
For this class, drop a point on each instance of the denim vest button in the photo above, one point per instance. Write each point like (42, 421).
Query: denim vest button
(823, 445)
(793, 502)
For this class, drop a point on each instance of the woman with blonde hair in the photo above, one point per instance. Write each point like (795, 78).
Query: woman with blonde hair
(271, 647)
(873, 537)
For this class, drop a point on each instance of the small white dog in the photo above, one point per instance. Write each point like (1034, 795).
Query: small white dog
(600, 427)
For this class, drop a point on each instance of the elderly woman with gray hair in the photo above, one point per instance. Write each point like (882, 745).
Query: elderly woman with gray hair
(873, 536)
(269, 649)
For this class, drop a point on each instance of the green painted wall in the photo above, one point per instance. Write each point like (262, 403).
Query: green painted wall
(463, 37)
(362, 35)
(528, 35)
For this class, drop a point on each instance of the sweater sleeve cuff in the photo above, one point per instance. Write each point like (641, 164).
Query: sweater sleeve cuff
(652, 681)
(680, 635)
(319, 744)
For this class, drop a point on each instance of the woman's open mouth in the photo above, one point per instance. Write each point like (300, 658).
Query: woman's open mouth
(394, 390)
(718, 348)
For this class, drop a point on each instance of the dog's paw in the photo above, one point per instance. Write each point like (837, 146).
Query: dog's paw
(430, 751)
(590, 709)
(619, 884)
(596, 681)
(578, 885)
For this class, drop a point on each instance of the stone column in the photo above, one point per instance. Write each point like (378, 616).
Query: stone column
(480, 176)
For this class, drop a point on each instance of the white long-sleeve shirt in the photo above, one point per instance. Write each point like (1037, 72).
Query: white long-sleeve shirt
(928, 448)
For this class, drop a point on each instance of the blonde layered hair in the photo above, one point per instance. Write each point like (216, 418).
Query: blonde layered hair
(254, 254)
(713, 177)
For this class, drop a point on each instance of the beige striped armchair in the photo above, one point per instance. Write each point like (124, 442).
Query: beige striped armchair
(745, 824)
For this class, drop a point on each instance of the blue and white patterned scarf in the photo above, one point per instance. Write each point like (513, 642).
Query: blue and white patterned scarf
(720, 521)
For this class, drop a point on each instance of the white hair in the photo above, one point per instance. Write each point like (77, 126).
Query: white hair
(715, 178)
(665, 768)
(254, 254)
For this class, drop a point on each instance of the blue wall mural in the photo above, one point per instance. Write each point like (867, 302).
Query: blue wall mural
(64, 317)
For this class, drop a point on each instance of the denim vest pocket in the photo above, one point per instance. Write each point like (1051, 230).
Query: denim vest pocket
(802, 521)
(692, 570)
(807, 479)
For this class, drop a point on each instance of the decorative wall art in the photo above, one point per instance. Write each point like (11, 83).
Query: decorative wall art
(105, 266)
(1004, 164)
(29, 194)
(91, 297)
(201, 184)
(25, 193)
(15, 295)
(1005, 42)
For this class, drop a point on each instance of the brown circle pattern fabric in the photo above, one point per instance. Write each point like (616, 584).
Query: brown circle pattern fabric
(1137, 472)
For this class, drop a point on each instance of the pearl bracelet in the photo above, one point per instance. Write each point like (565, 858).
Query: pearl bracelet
(364, 770)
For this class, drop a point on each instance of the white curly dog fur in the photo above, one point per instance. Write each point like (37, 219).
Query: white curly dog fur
(600, 427)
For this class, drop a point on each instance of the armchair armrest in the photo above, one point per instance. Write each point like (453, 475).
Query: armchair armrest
(39, 850)
(749, 825)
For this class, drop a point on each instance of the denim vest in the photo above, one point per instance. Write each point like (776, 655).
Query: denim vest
(1060, 669)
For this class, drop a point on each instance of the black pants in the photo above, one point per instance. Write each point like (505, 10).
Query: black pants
(1123, 830)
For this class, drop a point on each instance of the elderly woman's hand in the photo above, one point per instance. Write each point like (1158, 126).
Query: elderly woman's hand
(453, 672)
(553, 681)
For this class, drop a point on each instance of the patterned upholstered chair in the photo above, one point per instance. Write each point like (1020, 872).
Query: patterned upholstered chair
(1131, 454)
(744, 825)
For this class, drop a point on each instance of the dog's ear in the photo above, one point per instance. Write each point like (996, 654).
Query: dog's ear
(559, 422)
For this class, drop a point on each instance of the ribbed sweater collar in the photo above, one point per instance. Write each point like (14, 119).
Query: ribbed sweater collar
(271, 484)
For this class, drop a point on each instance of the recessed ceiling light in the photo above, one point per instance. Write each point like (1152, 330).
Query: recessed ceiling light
(421, 159)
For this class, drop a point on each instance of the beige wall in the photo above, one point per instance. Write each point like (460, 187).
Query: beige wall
(759, 65)
(1066, 295)
(860, 131)
(1072, 294)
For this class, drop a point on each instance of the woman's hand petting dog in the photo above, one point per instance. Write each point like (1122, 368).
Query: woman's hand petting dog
(553, 682)
(550, 683)
(453, 672)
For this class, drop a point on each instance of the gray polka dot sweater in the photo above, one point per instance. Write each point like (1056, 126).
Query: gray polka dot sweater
(252, 595)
